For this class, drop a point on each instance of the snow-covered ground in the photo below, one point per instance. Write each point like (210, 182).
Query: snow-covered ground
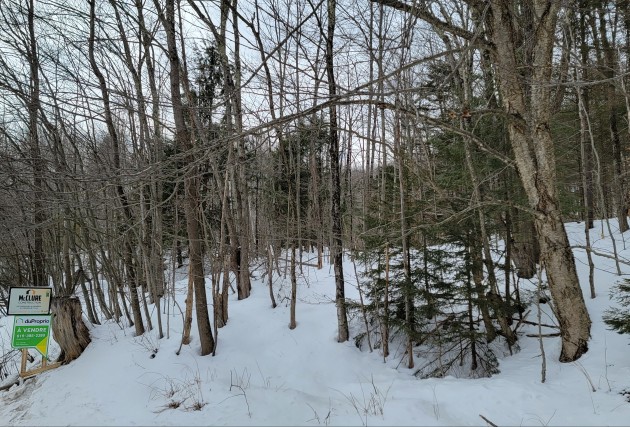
(266, 374)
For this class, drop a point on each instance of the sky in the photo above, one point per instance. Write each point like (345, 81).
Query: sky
(266, 374)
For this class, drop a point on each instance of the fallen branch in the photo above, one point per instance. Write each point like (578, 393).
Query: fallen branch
(536, 324)
(556, 334)
(602, 254)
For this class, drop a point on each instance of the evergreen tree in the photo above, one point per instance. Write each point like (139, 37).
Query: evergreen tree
(619, 318)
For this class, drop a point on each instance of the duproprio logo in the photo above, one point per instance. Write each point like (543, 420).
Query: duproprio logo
(32, 321)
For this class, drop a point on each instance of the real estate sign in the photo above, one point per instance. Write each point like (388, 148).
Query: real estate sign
(27, 301)
(31, 332)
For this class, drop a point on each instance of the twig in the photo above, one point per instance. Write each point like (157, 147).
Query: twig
(490, 423)
(315, 415)
(240, 387)
(606, 363)
(586, 375)
(522, 320)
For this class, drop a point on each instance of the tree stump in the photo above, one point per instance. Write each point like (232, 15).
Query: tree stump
(68, 328)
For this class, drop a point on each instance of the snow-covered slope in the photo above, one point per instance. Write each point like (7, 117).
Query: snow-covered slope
(266, 374)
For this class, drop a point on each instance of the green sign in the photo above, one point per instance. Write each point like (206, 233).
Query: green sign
(31, 332)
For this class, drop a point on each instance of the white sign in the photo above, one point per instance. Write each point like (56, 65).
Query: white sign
(29, 301)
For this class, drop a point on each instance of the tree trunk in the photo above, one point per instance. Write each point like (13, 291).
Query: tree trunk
(528, 105)
(292, 322)
(477, 276)
(385, 317)
(183, 139)
(241, 178)
(337, 248)
(88, 304)
(585, 142)
(524, 245)
(133, 290)
(609, 67)
(586, 150)
(270, 273)
(68, 328)
(190, 298)
(39, 217)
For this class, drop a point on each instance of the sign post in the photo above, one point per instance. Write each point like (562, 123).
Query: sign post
(31, 324)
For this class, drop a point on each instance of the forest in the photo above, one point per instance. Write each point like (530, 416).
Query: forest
(440, 145)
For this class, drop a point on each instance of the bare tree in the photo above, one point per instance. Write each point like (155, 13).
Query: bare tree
(120, 191)
(335, 176)
(191, 185)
